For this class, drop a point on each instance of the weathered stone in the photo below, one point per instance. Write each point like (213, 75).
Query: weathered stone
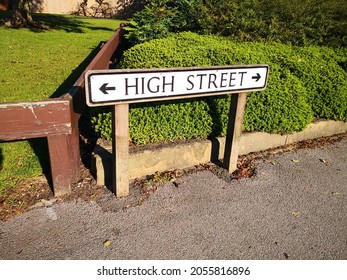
(148, 161)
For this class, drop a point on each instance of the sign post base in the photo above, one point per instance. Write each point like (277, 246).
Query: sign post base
(120, 143)
(234, 130)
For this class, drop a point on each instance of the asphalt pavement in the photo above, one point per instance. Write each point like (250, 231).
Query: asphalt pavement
(294, 208)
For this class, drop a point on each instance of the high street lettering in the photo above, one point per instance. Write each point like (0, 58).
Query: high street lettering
(143, 85)
(165, 84)
(215, 81)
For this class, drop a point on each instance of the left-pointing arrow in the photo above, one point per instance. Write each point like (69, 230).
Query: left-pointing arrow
(104, 88)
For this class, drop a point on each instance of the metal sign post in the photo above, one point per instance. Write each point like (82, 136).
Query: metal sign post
(121, 87)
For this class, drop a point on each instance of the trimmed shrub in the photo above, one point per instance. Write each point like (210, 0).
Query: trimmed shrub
(299, 88)
(282, 108)
(161, 122)
(304, 82)
(321, 72)
(102, 124)
(169, 121)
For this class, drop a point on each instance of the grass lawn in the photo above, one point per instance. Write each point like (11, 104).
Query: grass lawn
(38, 64)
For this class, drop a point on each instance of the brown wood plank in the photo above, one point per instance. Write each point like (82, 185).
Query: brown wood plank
(234, 130)
(25, 120)
(103, 57)
(100, 61)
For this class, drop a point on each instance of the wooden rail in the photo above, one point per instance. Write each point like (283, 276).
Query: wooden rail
(57, 119)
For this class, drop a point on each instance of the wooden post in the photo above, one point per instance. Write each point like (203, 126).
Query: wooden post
(64, 160)
(121, 150)
(52, 119)
(234, 130)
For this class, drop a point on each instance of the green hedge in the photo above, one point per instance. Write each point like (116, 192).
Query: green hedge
(303, 83)
(322, 73)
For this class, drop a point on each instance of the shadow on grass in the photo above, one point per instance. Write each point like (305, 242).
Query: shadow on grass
(47, 22)
(40, 145)
(40, 148)
(66, 23)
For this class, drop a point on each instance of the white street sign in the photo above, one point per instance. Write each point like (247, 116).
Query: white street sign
(108, 87)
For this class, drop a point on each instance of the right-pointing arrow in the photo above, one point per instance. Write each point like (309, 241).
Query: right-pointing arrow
(256, 78)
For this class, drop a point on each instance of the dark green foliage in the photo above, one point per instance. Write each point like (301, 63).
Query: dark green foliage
(235, 19)
(297, 22)
(159, 18)
(303, 82)
(152, 22)
(102, 123)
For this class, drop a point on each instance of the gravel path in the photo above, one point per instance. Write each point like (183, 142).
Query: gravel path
(295, 208)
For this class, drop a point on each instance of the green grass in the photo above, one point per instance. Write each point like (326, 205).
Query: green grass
(38, 64)
(35, 63)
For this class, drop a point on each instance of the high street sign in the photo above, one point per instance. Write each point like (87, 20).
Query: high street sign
(121, 87)
(111, 87)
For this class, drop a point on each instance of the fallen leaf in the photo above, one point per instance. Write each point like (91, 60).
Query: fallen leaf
(269, 161)
(295, 160)
(17, 211)
(332, 193)
(327, 163)
(107, 243)
(335, 193)
(295, 213)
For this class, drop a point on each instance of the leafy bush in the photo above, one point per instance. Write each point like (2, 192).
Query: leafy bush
(152, 22)
(321, 71)
(159, 18)
(102, 123)
(169, 121)
(161, 122)
(319, 22)
(303, 83)
(282, 108)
